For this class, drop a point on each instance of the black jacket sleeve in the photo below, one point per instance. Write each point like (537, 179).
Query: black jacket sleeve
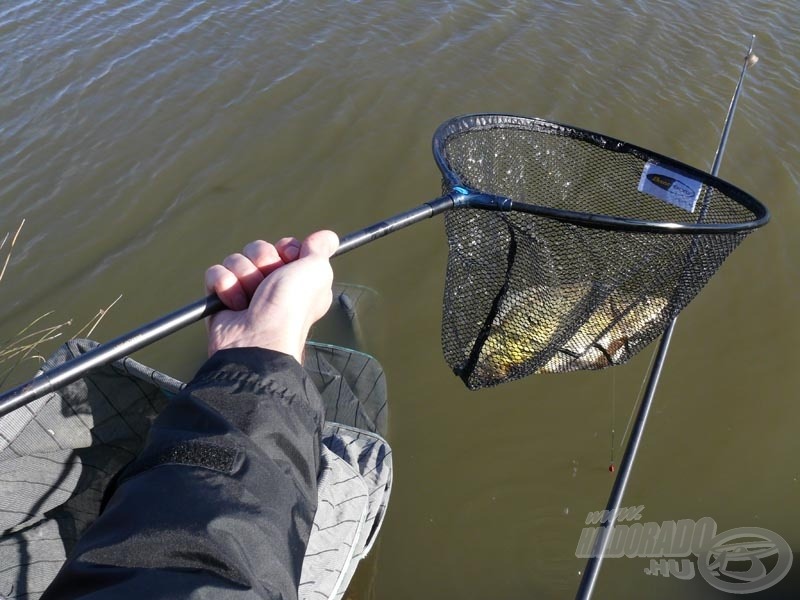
(220, 502)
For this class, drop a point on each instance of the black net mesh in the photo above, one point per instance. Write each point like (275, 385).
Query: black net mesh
(531, 294)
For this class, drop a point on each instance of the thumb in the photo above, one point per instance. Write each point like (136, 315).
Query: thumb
(320, 243)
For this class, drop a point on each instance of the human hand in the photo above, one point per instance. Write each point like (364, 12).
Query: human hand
(275, 293)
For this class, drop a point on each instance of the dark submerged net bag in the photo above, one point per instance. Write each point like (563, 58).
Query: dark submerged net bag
(603, 245)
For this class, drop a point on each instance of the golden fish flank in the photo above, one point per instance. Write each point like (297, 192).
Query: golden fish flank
(521, 329)
(605, 338)
(602, 341)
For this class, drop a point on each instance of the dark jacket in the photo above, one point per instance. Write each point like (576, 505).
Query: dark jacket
(220, 502)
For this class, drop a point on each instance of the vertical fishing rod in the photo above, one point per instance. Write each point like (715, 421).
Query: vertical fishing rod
(606, 529)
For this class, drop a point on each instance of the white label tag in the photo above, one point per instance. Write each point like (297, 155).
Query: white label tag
(670, 186)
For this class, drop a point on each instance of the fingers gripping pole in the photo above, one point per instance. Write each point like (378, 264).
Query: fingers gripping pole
(605, 531)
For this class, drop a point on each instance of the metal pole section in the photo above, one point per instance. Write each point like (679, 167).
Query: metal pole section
(191, 313)
(605, 531)
(749, 60)
(379, 230)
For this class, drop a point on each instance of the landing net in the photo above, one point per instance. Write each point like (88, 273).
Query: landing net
(606, 242)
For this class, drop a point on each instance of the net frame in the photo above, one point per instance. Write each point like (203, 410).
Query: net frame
(475, 122)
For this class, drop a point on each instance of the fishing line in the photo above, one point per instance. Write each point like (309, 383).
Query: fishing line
(611, 466)
(638, 396)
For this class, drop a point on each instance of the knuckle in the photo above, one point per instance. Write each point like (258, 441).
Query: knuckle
(234, 261)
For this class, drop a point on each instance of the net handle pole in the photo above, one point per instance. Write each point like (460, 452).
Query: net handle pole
(145, 335)
(605, 530)
(400, 221)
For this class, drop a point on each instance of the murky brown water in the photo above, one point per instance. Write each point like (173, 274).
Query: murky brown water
(144, 141)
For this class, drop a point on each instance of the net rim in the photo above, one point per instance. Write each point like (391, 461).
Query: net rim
(479, 121)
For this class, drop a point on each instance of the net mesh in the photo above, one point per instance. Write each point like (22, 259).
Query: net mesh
(531, 294)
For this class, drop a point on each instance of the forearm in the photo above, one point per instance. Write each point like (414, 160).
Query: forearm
(221, 500)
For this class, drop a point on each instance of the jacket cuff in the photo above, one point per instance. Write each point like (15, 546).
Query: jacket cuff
(258, 361)
(259, 371)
